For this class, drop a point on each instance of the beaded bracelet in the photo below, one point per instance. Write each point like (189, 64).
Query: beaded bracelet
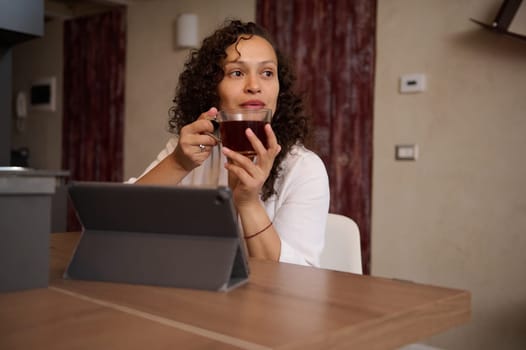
(257, 233)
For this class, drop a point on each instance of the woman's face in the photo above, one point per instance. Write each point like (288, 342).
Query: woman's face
(250, 76)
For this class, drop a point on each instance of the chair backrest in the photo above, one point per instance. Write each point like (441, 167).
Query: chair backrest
(342, 245)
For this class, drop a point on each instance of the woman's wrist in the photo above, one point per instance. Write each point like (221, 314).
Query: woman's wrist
(180, 165)
(249, 207)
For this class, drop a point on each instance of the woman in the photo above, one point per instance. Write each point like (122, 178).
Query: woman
(281, 196)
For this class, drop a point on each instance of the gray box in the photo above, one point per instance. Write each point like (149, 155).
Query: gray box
(25, 222)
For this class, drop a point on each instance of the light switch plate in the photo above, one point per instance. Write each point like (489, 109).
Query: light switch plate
(406, 152)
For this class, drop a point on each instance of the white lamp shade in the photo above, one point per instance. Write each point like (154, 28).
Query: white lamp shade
(187, 36)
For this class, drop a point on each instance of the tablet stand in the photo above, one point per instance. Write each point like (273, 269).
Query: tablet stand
(194, 253)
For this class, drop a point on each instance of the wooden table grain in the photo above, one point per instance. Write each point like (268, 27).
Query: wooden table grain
(283, 306)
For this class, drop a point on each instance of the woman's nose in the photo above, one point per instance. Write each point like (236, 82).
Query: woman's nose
(252, 84)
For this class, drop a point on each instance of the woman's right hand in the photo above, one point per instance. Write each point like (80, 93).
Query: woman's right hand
(194, 144)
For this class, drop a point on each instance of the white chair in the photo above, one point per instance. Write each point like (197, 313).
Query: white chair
(342, 245)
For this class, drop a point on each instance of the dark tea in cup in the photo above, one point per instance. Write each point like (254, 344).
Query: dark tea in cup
(232, 125)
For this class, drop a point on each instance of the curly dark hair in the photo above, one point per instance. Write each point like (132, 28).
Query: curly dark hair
(197, 91)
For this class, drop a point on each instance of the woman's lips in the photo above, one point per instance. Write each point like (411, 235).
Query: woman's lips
(253, 104)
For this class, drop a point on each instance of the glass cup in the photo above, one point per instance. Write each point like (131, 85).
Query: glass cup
(232, 126)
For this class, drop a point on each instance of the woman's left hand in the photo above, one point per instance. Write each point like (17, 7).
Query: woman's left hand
(246, 177)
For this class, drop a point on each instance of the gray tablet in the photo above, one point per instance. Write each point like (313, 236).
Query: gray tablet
(170, 236)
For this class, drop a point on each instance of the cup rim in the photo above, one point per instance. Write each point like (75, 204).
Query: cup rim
(236, 114)
(244, 110)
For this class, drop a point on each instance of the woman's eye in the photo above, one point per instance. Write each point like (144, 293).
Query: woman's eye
(235, 73)
(268, 73)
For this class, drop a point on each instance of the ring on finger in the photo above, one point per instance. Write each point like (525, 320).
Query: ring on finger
(202, 147)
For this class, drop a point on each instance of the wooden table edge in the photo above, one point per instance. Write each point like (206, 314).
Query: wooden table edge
(393, 328)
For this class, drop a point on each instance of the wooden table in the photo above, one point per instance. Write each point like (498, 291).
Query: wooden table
(283, 306)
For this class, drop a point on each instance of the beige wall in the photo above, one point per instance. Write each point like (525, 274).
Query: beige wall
(36, 59)
(153, 66)
(457, 216)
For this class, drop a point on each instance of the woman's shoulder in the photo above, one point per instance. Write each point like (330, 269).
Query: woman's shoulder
(302, 168)
(300, 157)
(300, 153)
